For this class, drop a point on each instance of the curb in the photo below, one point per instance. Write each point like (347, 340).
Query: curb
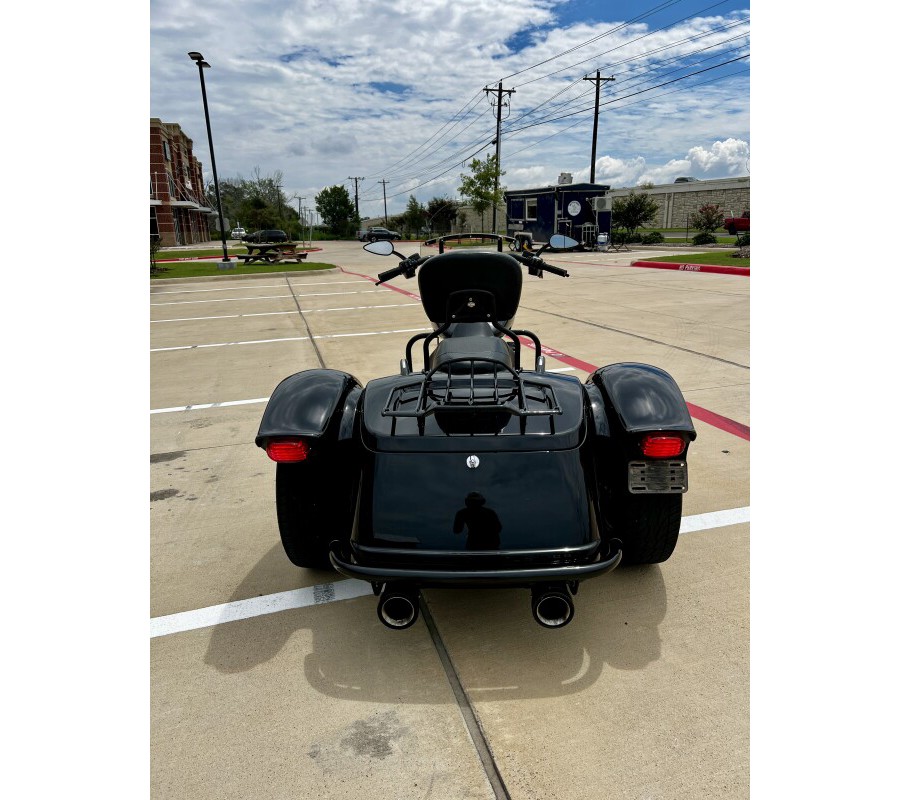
(691, 267)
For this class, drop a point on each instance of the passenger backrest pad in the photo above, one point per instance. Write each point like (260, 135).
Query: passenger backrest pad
(497, 273)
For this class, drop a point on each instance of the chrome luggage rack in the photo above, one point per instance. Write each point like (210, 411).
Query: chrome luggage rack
(445, 390)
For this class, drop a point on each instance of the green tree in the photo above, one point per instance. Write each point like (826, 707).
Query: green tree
(633, 212)
(256, 202)
(414, 217)
(478, 188)
(441, 212)
(336, 209)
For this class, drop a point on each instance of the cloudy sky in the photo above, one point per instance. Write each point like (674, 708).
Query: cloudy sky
(394, 90)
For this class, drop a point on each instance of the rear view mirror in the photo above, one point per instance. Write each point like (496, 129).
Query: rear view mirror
(560, 242)
(383, 247)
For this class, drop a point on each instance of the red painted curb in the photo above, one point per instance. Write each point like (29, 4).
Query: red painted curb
(691, 267)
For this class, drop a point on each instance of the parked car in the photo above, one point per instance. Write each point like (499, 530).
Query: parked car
(737, 224)
(376, 233)
(238, 233)
(266, 236)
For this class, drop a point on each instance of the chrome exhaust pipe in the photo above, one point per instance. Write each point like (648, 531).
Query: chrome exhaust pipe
(552, 606)
(398, 608)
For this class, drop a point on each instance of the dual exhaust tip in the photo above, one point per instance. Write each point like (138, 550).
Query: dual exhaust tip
(551, 606)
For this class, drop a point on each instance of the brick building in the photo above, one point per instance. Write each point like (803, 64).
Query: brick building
(179, 211)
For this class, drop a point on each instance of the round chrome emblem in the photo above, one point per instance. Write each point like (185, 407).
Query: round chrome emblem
(472, 462)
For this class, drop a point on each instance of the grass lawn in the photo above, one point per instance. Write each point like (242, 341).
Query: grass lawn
(197, 269)
(723, 259)
(185, 268)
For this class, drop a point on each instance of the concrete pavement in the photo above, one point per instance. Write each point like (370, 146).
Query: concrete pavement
(644, 694)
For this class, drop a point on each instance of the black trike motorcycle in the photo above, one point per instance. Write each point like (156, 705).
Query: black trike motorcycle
(467, 469)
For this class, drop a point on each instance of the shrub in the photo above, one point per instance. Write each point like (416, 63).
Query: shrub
(704, 237)
(743, 240)
(154, 252)
(707, 218)
(654, 237)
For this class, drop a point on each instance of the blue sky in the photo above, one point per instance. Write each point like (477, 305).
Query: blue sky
(394, 90)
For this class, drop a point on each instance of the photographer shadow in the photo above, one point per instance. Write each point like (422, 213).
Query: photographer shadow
(496, 646)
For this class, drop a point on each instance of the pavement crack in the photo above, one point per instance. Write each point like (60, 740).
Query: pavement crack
(305, 322)
(465, 706)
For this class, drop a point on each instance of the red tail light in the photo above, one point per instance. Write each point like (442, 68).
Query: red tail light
(287, 451)
(655, 445)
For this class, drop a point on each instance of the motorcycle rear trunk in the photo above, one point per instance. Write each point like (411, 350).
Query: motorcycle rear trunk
(464, 486)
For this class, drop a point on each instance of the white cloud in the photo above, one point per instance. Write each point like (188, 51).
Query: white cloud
(323, 89)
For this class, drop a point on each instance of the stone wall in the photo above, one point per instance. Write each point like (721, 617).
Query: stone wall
(677, 201)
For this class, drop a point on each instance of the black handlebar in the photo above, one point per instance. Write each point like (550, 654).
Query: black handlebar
(391, 273)
(408, 266)
(555, 270)
(537, 265)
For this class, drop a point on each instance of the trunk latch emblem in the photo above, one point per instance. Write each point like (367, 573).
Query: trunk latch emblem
(472, 462)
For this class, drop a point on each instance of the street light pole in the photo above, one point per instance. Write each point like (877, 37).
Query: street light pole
(201, 65)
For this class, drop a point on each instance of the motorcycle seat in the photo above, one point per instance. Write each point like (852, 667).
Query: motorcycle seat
(481, 351)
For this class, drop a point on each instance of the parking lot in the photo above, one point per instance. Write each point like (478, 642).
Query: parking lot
(272, 681)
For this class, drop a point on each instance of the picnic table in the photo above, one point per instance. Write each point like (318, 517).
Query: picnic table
(272, 252)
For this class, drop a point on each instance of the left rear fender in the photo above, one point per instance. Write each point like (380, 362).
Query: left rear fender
(311, 404)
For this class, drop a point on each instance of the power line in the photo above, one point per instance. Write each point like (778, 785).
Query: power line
(658, 86)
(638, 73)
(618, 47)
(660, 7)
(646, 54)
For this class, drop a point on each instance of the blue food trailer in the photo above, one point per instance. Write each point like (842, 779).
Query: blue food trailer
(580, 210)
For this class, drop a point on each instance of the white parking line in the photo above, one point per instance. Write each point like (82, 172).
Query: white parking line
(351, 588)
(261, 297)
(258, 606)
(359, 308)
(223, 300)
(209, 405)
(715, 519)
(275, 313)
(284, 339)
(224, 316)
(228, 344)
(261, 286)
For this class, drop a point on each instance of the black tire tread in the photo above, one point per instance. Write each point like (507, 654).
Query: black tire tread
(649, 531)
(302, 536)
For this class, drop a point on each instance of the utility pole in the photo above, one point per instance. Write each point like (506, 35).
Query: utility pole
(356, 191)
(500, 92)
(300, 214)
(596, 79)
(384, 184)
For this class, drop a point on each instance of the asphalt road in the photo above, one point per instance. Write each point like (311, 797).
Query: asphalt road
(269, 681)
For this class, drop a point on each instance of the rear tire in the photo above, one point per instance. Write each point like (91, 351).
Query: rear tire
(300, 517)
(648, 527)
